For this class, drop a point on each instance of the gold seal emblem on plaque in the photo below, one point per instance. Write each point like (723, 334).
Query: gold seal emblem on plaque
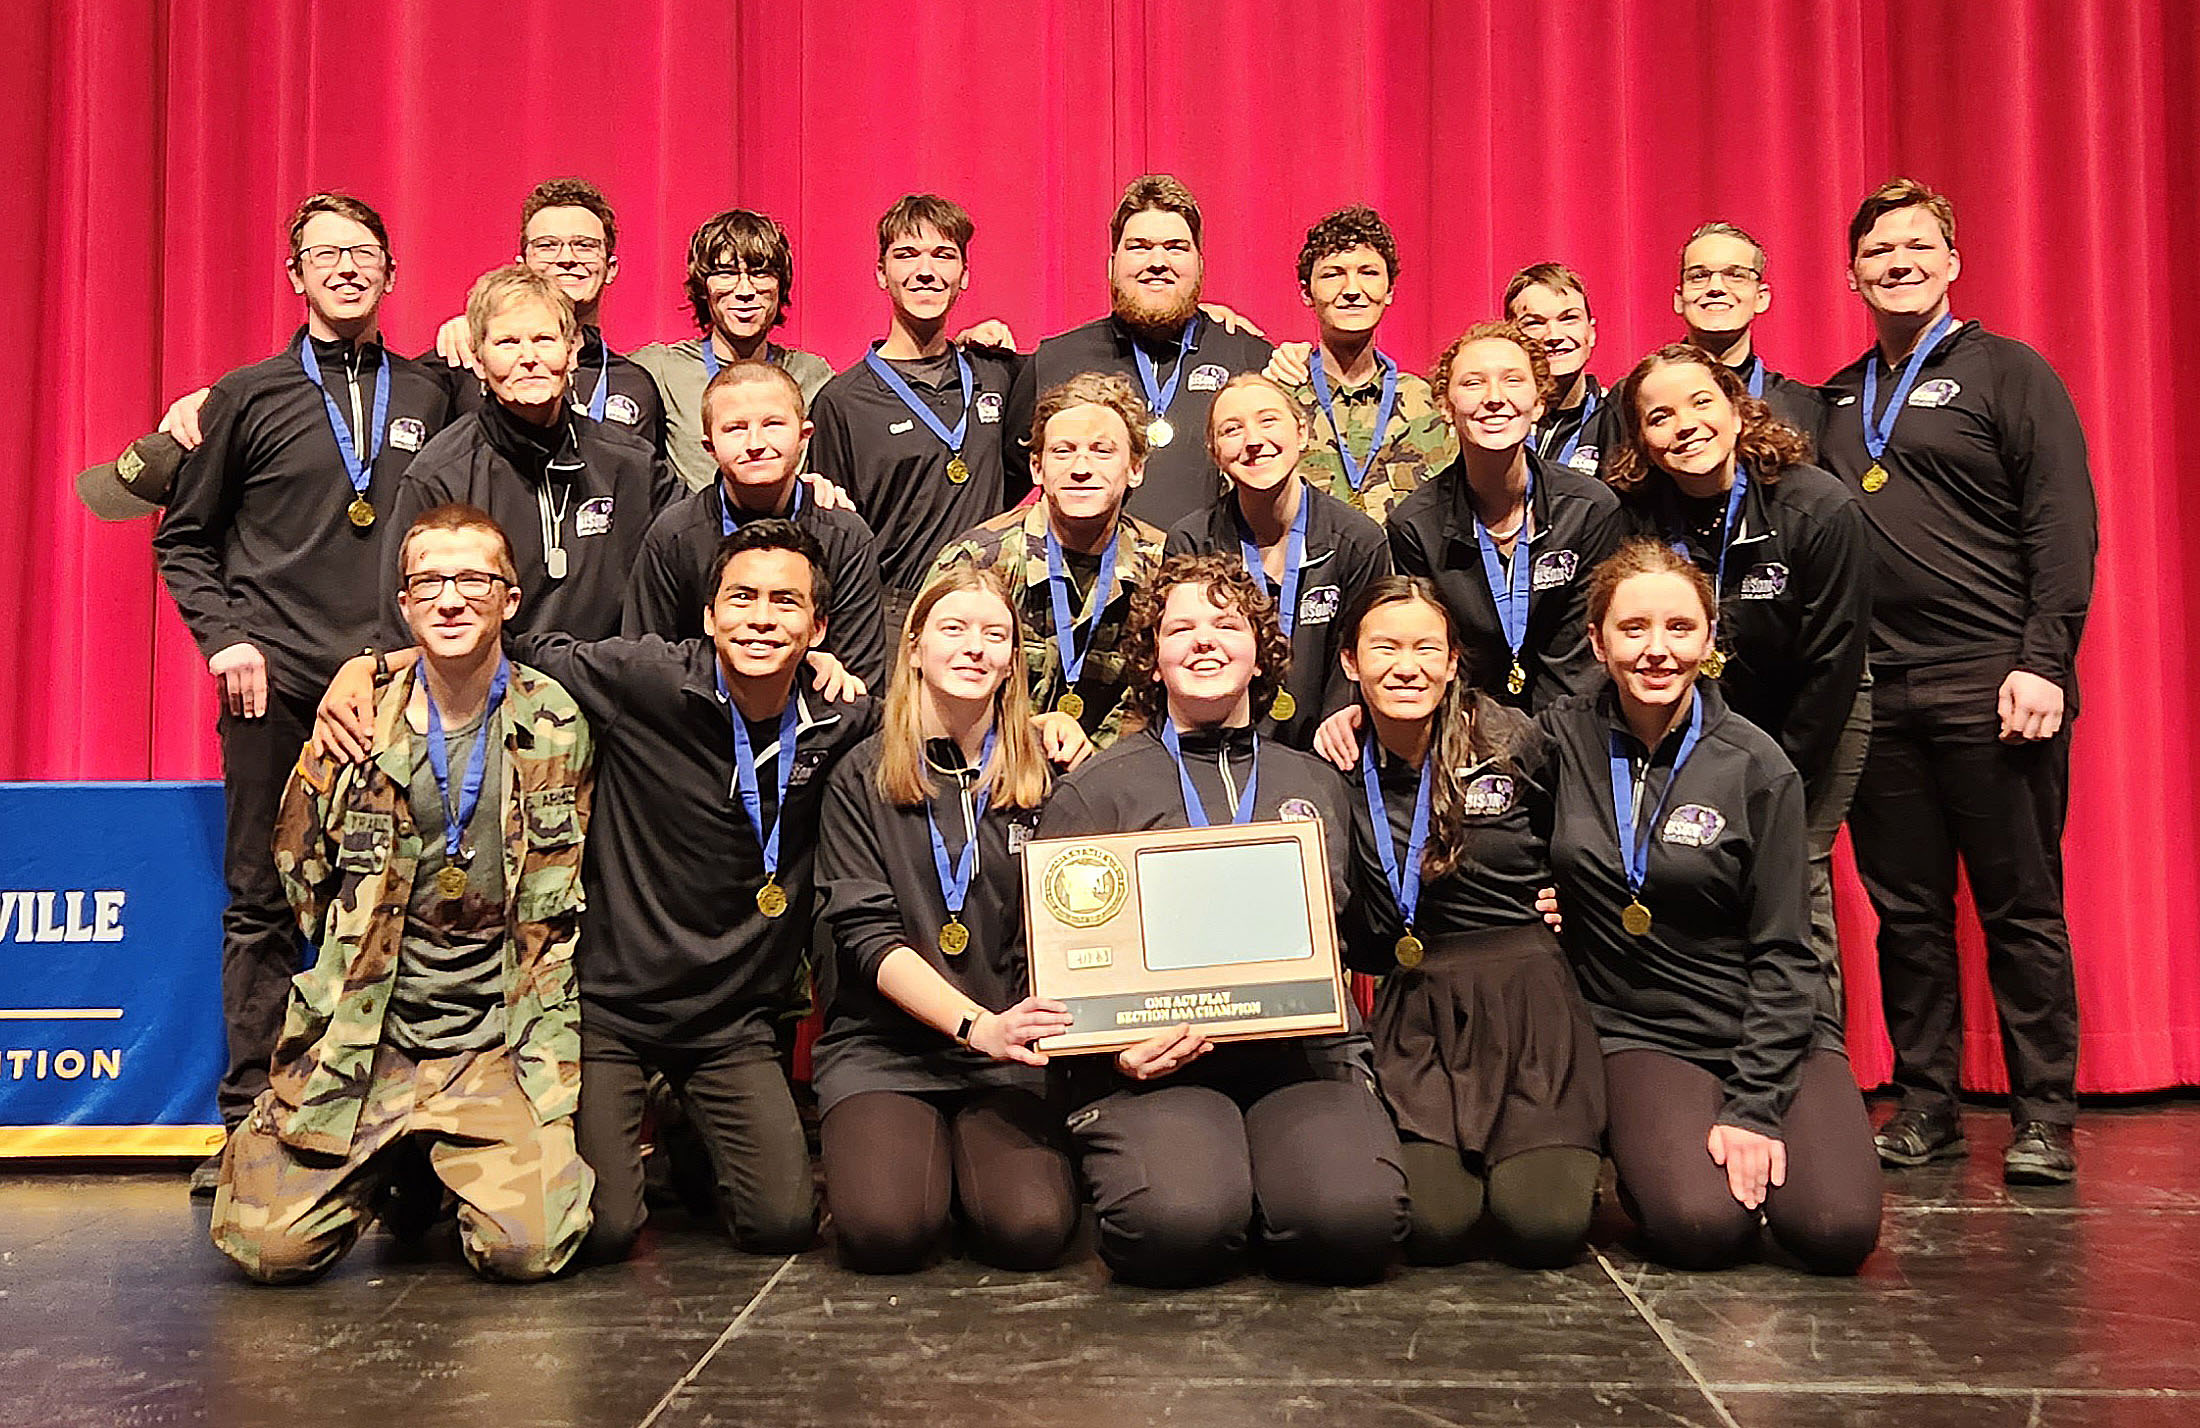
(1085, 887)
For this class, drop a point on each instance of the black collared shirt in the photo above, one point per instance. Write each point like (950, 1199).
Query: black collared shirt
(880, 889)
(1726, 977)
(1984, 537)
(1796, 403)
(1344, 551)
(1599, 433)
(1576, 521)
(1180, 479)
(671, 580)
(1794, 606)
(674, 951)
(602, 484)
(255, 544)
(894, 467)
(631, 404)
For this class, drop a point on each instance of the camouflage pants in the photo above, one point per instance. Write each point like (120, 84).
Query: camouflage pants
(286, 1215)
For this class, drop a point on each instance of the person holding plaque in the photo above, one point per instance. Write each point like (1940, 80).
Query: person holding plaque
(1314, 552)
(1483, 1047)
(1679, 846)
(1701, 463)
(933, 1098)
(1194, 1151)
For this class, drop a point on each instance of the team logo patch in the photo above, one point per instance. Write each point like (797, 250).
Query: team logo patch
(624, 410)
(1554, 568)
(1764, 582)
(1019, 833)
(989, 407)
(1298, 808)
(1491, 793)
(1318, 606)
(1693, 825)
(806, 765)
(1936, 393)
(1585, 460)
(594, 516)
(408, 433)
(1208, 377)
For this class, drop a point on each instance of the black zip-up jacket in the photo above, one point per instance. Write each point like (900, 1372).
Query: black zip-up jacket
(1726, 977)
(1598, 437)
(1795, 605)
(1576, 521)
(632, 403)
(671, 580)
(1344, 551)
(1798, 404)
(1984, 537)
(1180, 478)
(674, 952)
(255, 543)
(604, 485)
(880, 889)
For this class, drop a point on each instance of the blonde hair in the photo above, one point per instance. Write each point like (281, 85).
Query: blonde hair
(500, 288)
(1016, 776)
(1260, 379)
(1094, 389)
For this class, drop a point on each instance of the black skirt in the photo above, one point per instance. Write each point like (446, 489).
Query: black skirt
(1487, 1047)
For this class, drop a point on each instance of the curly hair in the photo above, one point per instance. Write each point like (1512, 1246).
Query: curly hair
(1767, 445)
(570, 193)
(1341, 232)
(1227, 583)
(1094, 389)
(1506, 330)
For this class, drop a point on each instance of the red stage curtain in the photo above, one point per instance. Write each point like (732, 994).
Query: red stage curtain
(155, 148)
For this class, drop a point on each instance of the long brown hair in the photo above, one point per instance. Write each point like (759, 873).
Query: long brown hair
(1017, 775)
(1471, 732)
(1766, 445)
(1228, 583)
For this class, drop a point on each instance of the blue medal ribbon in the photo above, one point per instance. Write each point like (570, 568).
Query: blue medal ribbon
(1511, 593)
(744, 772)
(1573, 443)
(477, 762)
(1356, 471)
(1878, 431)
(1294, 559)
(1158, 397)
(710, 359)
(1195, 812)
(1634, 843)
(955, 880)
(1757, 378)
(1066, 630)
(1679, 537)
(1405, 882)
(899, 386)
(727, 525)
(597, 403)
(360, 472)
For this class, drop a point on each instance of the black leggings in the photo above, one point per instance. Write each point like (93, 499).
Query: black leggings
(1826, 1215)
(1539, 1202)
(896, 1165)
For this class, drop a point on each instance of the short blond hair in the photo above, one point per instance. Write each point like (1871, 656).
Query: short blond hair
(500, 288)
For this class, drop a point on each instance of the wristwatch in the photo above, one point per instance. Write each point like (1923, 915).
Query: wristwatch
(381, 660)
(969, 1021)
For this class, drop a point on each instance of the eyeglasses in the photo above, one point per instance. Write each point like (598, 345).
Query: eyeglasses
(586, 250)
(1701, 277)
(473, 585)
(366, 257)
(731, 278)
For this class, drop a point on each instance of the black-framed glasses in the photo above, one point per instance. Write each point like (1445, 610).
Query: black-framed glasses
(548, 250)
(1701, 277)
(731, 277)
(366, 257)
(473, 585)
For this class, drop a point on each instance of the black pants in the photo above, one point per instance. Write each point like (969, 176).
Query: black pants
(1182, 1175)
(1826, 1215)
(261, 947)
(742, 1109)
(1538, 1201)
(1939, 785)
(897, 1166)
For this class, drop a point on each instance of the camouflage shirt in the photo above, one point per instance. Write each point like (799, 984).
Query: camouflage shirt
(1417, 442)
(347, 849)
(1016, 541)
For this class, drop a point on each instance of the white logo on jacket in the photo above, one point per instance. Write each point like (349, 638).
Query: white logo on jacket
(1584, 460)
(1208, 377)
(623, 409)
(989, 407)
(1487, 795)
(1693, 825)
(408, 433)
(1554, 568)
(1936, 393)
(1318, 606)
(594, 516)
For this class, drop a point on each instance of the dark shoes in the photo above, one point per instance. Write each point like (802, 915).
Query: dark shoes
(1913, 1137)
(206, 1177)
(2039, 1154)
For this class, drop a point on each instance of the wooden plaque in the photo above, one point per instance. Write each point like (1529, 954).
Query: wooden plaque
(1228, 929)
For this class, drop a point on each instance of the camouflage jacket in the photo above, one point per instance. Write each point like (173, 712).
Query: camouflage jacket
(1417, 443)
(1016, 541)
(347, 848)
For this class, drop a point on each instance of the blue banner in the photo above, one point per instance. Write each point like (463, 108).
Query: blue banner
(111, 897)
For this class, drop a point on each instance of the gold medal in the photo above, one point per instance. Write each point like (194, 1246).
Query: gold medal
(771, 899)
(1714, 663)
(1409, 951)
(1635, 918)
(450, 881)
(1071, 703)
(954, 937)
(1159, 432)
(361, 512)
(1875, 477)
(1516, 679)
(1283, 706)
(958, 470)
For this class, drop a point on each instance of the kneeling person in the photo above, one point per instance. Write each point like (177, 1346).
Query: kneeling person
(442, 1004)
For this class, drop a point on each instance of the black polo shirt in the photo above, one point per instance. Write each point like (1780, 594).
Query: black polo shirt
(1344, 551)
(255, 543)
(1983, 539)
(1577, 522)
(674, 952)
(671, 580)
(1599, 430)
(1794, 607)
(1180, 478)
(631, 401)
(894, 467)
